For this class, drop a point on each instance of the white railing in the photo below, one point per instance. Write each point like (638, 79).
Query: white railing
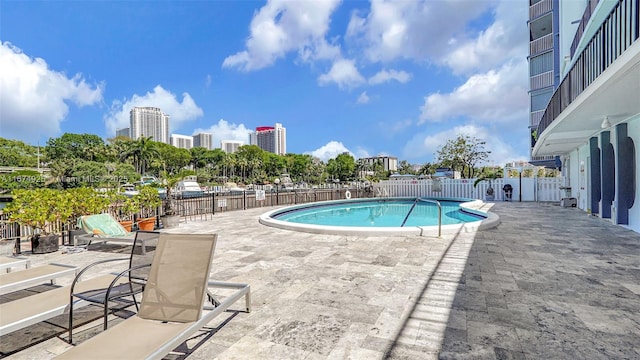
(539, 8)
(540, 81)
(525, 189)
(541, 44)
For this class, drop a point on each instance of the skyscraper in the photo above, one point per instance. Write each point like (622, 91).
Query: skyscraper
(182, 141)
(230, 146)
(123, 132)
(270, 138)
(149, 121)
(204, 140)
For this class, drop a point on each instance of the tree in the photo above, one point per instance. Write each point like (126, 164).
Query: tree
(405, 168)
(427, 169)
(17, 153)
(463, 154)
(199, 157)
(343, 167)
(142, 151)
(76, 146)
(172, 159)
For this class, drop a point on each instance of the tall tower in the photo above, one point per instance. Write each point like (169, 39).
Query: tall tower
(544, 61)
(204, 140)
(270, 138)
(149, 121)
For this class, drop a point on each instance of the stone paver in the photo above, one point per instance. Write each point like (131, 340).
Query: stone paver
(548, 282)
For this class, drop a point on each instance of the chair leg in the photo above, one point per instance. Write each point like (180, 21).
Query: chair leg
(135, 302)
(71, 319)
(106, 312)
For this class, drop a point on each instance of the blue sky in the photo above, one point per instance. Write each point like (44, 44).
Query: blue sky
(383, 77)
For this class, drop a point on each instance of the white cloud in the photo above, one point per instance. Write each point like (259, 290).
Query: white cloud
(424, 146)
(329, 151)
(282, 26)
(505, 38)
(417, 30)
(35, 98)
(343, 73)
(207, 81)
(385, 76)
(495, 96)
(363, 98)
(223, 130)
(179, 112)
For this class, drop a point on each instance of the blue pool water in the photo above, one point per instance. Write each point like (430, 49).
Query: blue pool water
(379, 213)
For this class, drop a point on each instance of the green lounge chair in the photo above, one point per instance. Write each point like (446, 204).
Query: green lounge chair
(102, 228)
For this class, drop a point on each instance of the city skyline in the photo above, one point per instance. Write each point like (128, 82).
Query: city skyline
(346, 79)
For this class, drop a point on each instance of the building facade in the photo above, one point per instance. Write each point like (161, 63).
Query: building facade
(204, 140)
(389, 163)
(591, 122)
(270, 138)
(182, 141)
(123, 132)
(149, 121)
(230, 146)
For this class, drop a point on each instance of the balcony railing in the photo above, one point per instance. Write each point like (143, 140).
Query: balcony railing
(535, 117)
(583, 23)
(540, 45)
(616, 34)
(541, 80)
(540, 8)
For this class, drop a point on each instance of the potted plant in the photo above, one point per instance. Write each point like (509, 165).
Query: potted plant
(170, 218)
(148, 200)
(85, 201)
(489, 176)
(42, 210)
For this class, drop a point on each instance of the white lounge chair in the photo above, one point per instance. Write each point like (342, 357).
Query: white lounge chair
(172, 307)
(18, 280)
(7, 263)
(20, 313)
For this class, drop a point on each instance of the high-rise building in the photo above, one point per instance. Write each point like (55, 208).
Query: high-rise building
(182, 141)
(123, 132)
(149, 121)
(270, 138)
(204, 140)
(230, 146)
(590, 124)
(389, 163)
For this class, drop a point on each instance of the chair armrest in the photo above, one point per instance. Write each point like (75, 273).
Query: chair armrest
(86, 268)
(121, 274)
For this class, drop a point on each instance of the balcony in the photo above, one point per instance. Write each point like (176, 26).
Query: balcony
(540, 45)
(541, 81)
(535, 118)
(583, 23)
(602, 81)
(540, 8)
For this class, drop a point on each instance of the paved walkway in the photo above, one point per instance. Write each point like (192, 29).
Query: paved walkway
(548, 283)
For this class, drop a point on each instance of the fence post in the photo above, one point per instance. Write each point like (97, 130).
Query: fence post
(213, 203)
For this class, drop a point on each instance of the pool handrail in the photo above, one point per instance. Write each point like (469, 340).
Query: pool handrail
(415, 202)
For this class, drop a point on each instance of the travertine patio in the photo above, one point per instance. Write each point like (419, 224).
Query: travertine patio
(549, 282)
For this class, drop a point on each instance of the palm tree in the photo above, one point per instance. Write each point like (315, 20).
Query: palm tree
(142, 151)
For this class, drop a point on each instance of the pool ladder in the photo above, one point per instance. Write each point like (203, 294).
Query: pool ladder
(415, 202)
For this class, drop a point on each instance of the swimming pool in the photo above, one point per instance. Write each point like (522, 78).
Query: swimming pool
(388, 216)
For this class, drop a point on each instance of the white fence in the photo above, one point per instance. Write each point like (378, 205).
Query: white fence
(525, 189)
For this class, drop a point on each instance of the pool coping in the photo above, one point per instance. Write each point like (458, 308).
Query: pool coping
(472, 206)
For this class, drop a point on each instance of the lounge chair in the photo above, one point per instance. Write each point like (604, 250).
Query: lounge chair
(102, 228)
(18, 280)
(120, 293)
(172, 307)
(7, 263)
(20, 313)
